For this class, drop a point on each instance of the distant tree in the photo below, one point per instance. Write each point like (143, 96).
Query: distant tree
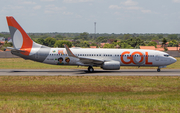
(115, 40)
(173, 37)
(139, 42)
(76, 37)
(60, 43)
(40, 41)
(127, 36)
(123, 44)
(59, 37)
(101, 39)
(152, 44)
(44, 36)
(108, 46)
(50, 42)
(173, 43)
(165, 49)
(155, 38)
(94, 44)
(84, 36)
(76, 43)
(134, 42)
(160, 36)
(142, 37)
(164, 41)
(85, 44)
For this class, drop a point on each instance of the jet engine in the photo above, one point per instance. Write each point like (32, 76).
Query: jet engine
(111, 65)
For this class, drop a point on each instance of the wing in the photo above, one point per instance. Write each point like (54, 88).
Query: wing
(91, 61)
(84, 60)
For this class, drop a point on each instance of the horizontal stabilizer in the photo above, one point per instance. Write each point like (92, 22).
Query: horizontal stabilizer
(13, 49)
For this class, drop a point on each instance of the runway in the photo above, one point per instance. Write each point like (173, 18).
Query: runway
(81, 72)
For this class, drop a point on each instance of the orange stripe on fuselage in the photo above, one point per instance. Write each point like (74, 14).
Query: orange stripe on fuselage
(27, 42)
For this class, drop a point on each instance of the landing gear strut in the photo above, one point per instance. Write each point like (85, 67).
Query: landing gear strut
(158, 70)
(90, 69)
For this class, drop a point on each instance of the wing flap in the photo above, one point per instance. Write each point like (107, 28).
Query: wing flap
(91, 61)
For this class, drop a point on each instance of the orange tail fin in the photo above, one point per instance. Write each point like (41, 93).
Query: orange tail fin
(20, 39)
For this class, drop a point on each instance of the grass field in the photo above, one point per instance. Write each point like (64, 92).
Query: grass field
(19, 63)
(83, 94)
(86, 94)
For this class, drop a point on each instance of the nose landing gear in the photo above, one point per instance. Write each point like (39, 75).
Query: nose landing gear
(90, 69)
(159, 68)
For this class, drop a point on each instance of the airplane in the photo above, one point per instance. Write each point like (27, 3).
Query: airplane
(107, 59)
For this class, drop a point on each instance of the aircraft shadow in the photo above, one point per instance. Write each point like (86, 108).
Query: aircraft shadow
(71, 71)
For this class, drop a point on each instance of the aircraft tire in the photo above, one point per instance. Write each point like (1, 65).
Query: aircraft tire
(158, 70)
(90, 69)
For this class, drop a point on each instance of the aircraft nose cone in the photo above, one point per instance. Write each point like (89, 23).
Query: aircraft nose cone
(173, 60)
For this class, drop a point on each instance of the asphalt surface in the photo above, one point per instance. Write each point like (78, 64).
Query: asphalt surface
(80, 72)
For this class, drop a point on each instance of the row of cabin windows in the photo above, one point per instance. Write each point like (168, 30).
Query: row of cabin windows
(138, 55)
(88, 54)
(107, 55)
(58, 54)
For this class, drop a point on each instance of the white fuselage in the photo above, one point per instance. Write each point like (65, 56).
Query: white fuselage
(126, 57)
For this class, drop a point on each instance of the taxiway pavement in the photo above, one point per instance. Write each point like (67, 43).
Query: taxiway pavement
(81, 72)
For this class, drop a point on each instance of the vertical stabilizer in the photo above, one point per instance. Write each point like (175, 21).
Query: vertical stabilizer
(20, 39)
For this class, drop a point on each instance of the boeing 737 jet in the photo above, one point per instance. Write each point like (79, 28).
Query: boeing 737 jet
(107, 59)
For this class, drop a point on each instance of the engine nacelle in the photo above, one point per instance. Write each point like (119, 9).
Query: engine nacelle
(111, 65)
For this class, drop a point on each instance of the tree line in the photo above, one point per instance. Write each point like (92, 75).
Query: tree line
(86, 40)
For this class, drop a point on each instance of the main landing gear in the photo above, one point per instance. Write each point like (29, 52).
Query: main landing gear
(158, 70)
(90, 69)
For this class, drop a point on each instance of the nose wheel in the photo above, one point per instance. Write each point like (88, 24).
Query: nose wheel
(158, 70)
(90, 69)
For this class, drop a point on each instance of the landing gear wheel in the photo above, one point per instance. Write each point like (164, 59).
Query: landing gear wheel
(90, 69)
(158, 70)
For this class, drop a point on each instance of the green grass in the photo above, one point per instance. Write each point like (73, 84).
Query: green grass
(19, 63)
(79, 94)
(48, 94)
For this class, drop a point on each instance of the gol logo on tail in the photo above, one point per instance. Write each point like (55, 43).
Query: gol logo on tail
(131, 57)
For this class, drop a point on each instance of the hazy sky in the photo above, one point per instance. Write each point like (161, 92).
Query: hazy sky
(112, 16)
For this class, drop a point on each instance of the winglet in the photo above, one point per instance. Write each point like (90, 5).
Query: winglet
(69, 52)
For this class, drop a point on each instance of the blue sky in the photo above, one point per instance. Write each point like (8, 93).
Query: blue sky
(112, 16)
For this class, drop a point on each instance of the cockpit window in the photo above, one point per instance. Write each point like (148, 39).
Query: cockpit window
(166, 55)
